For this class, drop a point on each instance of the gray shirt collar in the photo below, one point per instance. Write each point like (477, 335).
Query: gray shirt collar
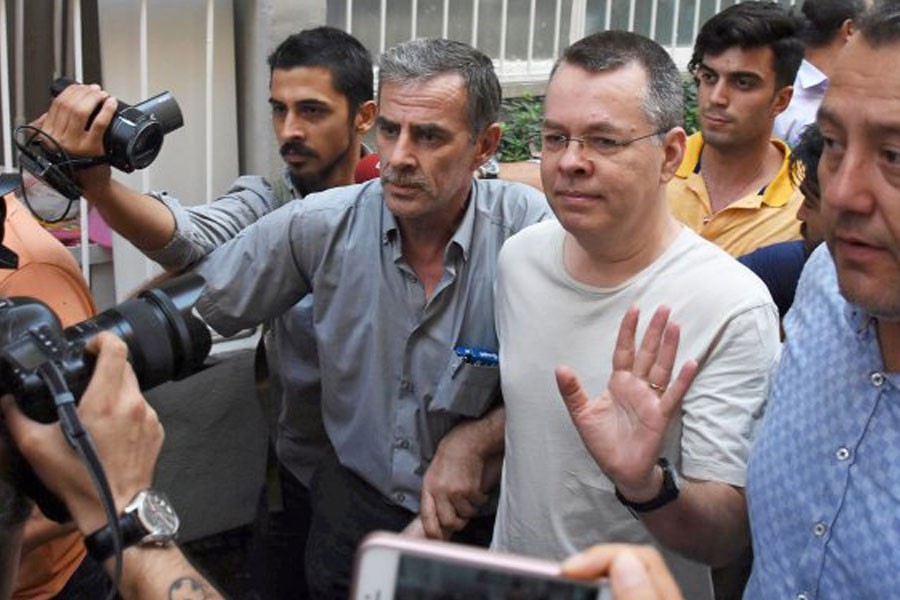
(462, 237)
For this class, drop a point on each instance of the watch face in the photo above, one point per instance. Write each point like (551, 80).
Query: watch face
(158, 517)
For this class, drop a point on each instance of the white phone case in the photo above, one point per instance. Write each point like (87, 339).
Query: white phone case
(446, 569)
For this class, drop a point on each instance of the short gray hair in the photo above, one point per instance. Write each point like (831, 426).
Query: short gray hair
(609, 50)
(418, 60)
(880, 26)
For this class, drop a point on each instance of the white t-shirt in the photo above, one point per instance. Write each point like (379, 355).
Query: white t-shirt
(554, 499)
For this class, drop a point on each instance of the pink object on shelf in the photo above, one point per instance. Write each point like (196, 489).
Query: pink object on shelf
(98, 231)
(68, 232)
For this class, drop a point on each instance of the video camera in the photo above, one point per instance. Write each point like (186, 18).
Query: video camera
(132, 141)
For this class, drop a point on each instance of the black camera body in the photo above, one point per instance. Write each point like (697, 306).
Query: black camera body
(165, 342)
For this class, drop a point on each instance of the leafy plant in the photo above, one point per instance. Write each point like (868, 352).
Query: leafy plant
(521, 121)
(691, 120)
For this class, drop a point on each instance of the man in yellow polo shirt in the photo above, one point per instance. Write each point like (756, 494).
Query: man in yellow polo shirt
(733, 186)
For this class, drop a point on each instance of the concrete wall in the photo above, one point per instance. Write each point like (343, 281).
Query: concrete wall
(176, 62)
(260, 25)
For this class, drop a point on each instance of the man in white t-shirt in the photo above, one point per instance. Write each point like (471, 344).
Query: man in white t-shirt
(610, 141)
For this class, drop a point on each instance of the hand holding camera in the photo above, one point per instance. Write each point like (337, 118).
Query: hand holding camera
(126, 432)
(86, 131)
(128, 437)
(41, 364)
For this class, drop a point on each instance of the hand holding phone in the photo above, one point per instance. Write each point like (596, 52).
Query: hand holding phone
(393, 567)
(634, 572)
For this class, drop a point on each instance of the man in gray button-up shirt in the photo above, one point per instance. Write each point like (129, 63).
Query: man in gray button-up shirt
(403, 273)
(321, 96)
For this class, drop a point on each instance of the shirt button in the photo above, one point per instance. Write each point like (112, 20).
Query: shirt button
(405, 386)
(819, 529)
(802, 597)
(877, 378)
(400, 496)
(401, 443)
(842, 453)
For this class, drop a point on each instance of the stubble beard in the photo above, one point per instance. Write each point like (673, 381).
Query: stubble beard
(322, 179)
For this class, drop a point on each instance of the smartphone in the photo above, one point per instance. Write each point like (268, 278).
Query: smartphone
(393, 567)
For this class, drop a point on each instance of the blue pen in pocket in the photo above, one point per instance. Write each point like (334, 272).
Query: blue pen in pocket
(477, 356)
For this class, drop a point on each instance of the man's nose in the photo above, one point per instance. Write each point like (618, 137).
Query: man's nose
(294, 127)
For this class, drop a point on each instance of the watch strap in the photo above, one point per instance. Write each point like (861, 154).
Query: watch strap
(668, 493)
(100, 544)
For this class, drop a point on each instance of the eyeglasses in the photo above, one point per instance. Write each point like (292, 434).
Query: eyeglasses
(596, 145)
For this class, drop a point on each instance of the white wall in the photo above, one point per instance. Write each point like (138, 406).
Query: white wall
(260, 25)
(176, 61)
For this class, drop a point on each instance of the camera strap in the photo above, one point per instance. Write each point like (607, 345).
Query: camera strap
(80, 440)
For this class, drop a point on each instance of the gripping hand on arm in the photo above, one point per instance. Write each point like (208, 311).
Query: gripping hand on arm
(465, 468)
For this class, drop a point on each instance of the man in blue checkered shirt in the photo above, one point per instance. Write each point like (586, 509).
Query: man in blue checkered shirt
(824, 479)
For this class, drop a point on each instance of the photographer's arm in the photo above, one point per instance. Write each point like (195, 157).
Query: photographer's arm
(145, 222)
(14, 507)
(128, 437)
(173, 235)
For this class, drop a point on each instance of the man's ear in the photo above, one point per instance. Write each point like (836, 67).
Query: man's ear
(782, 99)
(847, 29)
(487, 144)
(365, 117)
(673, 145)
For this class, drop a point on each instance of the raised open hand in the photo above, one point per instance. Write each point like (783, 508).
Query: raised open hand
(625, 426)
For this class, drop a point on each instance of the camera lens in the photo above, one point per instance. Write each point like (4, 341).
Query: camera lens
(165, 341)
(144, 145)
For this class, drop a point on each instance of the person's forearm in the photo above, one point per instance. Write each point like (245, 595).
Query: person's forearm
(486, 436)
(707, 523)
(488, 431)
(139, 218)
(464, 469)
(163, 573)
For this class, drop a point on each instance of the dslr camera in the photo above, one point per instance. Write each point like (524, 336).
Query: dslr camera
(165, 342)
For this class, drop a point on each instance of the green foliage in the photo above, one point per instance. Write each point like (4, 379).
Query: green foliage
(691, 120)
(521, 121)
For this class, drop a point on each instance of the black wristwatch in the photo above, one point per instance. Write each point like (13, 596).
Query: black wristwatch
(148, 519)
(668, 493)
